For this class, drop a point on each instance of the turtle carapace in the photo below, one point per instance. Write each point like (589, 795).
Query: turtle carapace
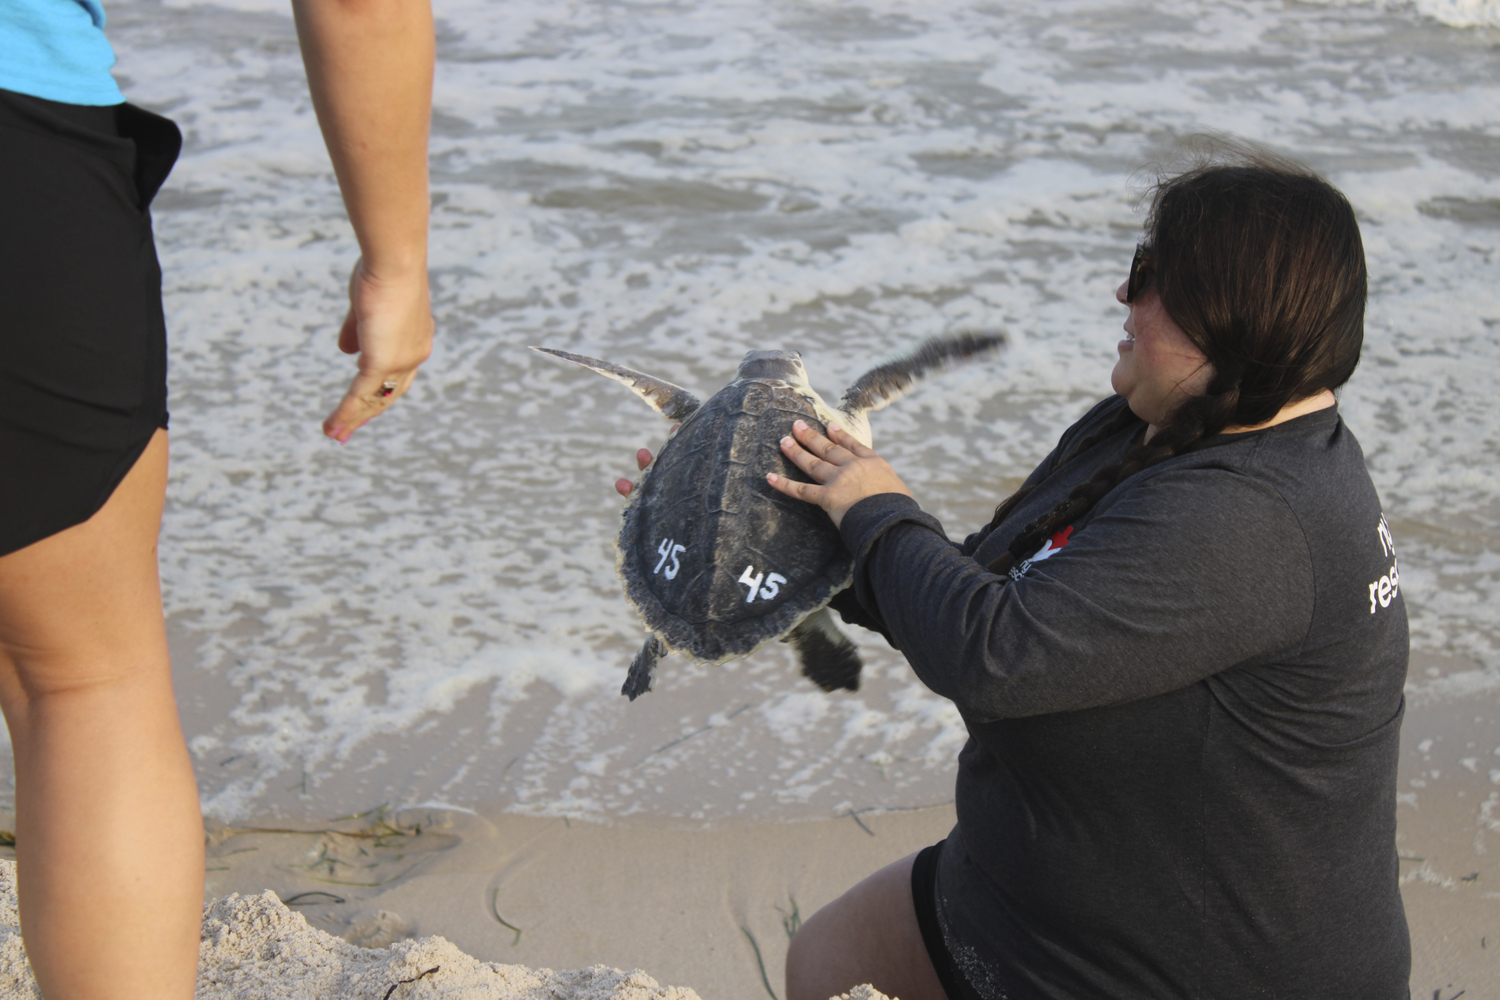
(717, 562)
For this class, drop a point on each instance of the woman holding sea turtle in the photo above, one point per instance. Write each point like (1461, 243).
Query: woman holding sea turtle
(1179, 650)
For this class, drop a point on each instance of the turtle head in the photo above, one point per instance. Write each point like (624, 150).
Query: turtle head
(783, 365)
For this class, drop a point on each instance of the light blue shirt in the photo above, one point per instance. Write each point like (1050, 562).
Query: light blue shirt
(56, 49)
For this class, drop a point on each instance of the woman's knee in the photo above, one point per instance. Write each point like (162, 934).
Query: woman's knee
(867, 935)
(824, 953)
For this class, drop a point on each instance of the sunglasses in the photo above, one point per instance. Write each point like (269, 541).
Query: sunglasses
(1142, 270)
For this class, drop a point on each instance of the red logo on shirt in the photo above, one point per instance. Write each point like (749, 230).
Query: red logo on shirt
(1050, 549)
(1047, 551)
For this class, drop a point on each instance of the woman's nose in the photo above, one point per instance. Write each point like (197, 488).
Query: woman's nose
(1120, 292)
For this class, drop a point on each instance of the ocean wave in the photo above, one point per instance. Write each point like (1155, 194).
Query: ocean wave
(432, 613)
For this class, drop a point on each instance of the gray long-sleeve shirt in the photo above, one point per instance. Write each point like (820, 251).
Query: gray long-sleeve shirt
(1183, 719)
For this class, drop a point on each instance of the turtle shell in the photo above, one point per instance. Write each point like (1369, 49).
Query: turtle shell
(716, 561)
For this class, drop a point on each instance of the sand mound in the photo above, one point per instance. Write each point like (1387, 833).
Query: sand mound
(254, 948)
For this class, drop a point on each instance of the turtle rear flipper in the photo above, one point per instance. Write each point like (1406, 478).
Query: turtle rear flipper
(884, 384)
(671, 401)
(829, 658)
(643, 669)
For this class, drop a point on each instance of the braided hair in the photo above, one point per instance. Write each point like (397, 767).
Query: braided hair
(1259, 261)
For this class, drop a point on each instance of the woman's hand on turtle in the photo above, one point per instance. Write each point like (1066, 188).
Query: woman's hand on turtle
(642, 459)
(389, 325)
(624, 486)
(844, 471)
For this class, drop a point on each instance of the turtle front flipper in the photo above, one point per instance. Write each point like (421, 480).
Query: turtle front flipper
(643, 669)
(884, 384)
(671, 401)
(829, 658)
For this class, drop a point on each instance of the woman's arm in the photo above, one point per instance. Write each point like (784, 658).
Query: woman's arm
(1184, 575)
(369, 65)
(1187, 575)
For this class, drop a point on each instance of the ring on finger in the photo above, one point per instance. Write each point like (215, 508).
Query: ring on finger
(386, 388)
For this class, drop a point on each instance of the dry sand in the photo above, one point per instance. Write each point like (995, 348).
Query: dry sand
(255, 948)
(708, 908)
(686, 904)
(712, 908)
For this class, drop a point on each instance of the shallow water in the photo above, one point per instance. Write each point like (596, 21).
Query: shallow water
(431, 613)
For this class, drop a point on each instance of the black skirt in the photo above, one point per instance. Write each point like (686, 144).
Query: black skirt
(924, 892)
(83, 364)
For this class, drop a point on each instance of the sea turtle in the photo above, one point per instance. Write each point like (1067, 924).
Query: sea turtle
(716, 561)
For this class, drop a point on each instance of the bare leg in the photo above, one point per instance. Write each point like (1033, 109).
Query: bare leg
(109, 839)
(867, 935)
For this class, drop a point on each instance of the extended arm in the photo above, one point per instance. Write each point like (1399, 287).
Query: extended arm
(1187, 575)
(369, 65)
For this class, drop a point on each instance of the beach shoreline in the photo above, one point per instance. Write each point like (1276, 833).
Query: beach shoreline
(707, 907)
(431, 615)
(711, 907)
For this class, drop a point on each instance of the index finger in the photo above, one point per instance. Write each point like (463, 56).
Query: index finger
(809, 492)
(849, 442)
(370, 394)
(819, 444)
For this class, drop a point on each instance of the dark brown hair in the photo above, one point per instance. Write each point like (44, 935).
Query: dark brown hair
(1259, 261)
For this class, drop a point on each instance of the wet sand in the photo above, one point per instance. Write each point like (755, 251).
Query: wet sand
(707, 908)
(1448, 830)
(711, 908)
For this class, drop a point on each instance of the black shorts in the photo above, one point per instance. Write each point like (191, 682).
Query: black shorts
(924, 896)
(83, 364)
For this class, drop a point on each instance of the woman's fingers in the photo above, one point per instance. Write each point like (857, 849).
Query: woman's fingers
(389, 326)
(624, 486)
(849, 442)
(813, 453)
(369, 395)
(837, 446)
(843, 470)
(811, 439)
(642, 459)
(795, 489)
(819, 456)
